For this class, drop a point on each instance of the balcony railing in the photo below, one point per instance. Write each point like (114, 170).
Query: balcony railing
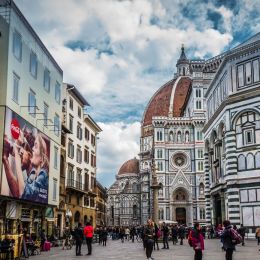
(73, 184)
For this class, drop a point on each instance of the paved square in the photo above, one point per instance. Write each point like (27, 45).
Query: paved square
(129, 250)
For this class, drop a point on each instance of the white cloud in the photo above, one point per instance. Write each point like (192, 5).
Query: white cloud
(118, 143)
(126, 56)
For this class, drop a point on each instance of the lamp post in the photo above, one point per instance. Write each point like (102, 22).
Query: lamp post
(155, 187)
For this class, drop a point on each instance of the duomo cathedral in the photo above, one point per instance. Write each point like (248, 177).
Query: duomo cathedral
(201, 129)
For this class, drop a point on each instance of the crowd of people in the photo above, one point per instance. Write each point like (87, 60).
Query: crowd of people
(149, 235)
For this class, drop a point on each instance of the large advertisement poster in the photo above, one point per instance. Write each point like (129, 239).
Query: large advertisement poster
(26, 156)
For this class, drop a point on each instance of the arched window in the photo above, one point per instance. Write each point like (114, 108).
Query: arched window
(241, 162)
(171, 136)
(134, 211)
(161, 215)
(202, 213)
(179, 136)
(257, 160)
(135, 189)
(201, 189)
(187, 136)
(250, 161)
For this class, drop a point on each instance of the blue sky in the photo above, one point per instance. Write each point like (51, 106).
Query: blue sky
(118, 53)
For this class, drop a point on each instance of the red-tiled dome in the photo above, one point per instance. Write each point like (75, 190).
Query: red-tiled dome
(168, 100)
(130, 166)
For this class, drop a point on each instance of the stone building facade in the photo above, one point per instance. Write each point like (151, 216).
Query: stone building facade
(232, 134)
(123, 203)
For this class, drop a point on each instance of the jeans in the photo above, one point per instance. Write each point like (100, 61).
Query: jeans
(258, 240)
(149, 247)
(89, 244)
(198, 255)
(78, 247)
(229, 253)
(155, 242)
(165, 242)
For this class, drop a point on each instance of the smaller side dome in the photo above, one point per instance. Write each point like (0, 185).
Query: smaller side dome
(130, 166)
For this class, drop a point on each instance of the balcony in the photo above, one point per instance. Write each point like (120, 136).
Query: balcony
(76, 186)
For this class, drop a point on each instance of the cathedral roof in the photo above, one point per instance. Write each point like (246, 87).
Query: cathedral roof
(168, 100)
(130, 166)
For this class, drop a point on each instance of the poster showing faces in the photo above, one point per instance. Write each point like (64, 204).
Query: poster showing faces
(25, 160)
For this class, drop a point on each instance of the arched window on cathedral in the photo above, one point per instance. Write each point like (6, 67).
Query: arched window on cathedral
(241, 162)
(134, 211)
(202, 213)
(161, 215)
(171, 136)
(135, 187)
(250, 161)
(257, 160)
(201, 189)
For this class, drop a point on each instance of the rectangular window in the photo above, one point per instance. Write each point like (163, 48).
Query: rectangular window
(71, 123)
(200, 154)
(71, 103)
(93, 140)
(57, 92)
(57, 125)
(240, 73)
(46, 80)
(199, 135)
(86, 134)
(16, 81)
(198, 104)
(56, 157)
(256, 70)
(249, 136)
(54, 194)
(79, 131)
(86, 156)
(79, 112)
(200, 166)
(70, 150)
(198, 93)
(45, 114)
(17, 45)
(248, 73)
(33, 64)
(32, 103)
(79, 155)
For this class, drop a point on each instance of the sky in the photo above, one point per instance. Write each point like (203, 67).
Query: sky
(119, 52)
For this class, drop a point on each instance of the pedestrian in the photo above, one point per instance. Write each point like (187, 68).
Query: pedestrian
(175, 234)
(88, 232)
(165, 231)
(148, 236)
(133, 233)
(78, 236)
(122, 234)
(104, 236)
(181, 232)
(197, 241)
(242, 232)
(229, 238)
(157, 234)
(127, 233)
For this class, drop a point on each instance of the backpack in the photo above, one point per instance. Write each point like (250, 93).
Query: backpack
(235, 237)
(158, 233)
(190, 239)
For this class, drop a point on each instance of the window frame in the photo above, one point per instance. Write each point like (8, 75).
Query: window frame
(33, 70)
(47, 80)
(17, 79)
(16, 36)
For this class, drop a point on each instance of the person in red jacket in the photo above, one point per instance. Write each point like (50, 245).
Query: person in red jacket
(197, 241)
(88, 232)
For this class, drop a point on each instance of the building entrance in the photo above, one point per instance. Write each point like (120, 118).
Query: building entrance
(181, 215)
(218, 213)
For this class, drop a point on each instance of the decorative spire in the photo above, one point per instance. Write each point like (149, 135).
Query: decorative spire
(183, 56)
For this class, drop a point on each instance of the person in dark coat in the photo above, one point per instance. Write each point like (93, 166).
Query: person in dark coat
(156, 236)
(165, 231)
(78, 236)
(226, 238)
(175, 234)
(148, 236)
(104, 236)
(181, 232)
(242, 232)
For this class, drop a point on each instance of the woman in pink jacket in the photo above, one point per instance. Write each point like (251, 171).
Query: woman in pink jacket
(197, 241)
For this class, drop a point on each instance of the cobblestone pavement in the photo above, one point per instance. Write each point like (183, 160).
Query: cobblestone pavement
(129, 250)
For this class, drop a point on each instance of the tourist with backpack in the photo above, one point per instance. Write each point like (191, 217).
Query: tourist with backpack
(230, 239)
(196, 240)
